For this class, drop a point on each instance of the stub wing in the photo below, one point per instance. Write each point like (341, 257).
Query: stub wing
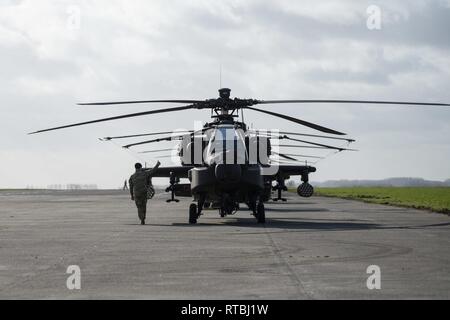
(179, 171)
(182, 171)
(293, 170)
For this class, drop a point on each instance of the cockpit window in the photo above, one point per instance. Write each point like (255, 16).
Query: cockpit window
(225, 134)
(227, 145)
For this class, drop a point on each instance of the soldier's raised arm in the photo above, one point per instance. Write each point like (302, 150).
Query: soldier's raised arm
(153, 170)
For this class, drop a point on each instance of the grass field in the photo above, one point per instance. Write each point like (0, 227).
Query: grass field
(435, 199)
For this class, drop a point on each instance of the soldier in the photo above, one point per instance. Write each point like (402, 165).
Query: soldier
(139, 183)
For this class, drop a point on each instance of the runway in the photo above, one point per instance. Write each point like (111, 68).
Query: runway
(317, 248)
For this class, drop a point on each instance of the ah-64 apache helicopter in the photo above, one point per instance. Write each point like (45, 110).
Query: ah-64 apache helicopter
(226, 162)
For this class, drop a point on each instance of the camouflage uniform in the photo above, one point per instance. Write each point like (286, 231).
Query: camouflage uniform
(139, 183)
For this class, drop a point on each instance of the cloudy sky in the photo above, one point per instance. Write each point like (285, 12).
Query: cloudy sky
(57, 53)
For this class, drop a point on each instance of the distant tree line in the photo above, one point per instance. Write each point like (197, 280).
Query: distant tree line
(390, 182)
(71, 186)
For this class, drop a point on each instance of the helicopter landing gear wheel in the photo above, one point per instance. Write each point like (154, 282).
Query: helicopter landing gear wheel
(193, 213)
(260, 213)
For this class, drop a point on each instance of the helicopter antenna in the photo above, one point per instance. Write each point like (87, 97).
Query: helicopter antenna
(220, 76)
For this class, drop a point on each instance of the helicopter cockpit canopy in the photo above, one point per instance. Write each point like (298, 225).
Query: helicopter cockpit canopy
(227, 146)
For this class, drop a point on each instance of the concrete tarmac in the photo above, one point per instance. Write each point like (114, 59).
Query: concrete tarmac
(317, 248)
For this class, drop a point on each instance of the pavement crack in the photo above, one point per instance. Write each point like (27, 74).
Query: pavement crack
(299, 285)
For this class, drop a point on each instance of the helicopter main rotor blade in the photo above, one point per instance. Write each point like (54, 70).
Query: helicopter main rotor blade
(314, 147)
(167, 156)
(317, 144)
(355, 102)
(305, 135)
(285, 161)
(130, 115)
(297, 155)
(299, 121)
(284, 156)
(313, 143)
(192, 134)
(143, 135)
(137, 102)
(304, 156)
(299, 146)
(154, 151)
(153, 141)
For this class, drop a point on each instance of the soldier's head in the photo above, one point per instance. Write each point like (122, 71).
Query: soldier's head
(138, 166)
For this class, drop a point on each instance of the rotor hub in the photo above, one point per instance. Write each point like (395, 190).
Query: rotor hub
(225, 93)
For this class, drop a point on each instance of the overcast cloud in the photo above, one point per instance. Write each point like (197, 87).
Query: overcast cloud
(173, 49)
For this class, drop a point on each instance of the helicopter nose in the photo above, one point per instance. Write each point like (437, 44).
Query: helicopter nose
(228, 173)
